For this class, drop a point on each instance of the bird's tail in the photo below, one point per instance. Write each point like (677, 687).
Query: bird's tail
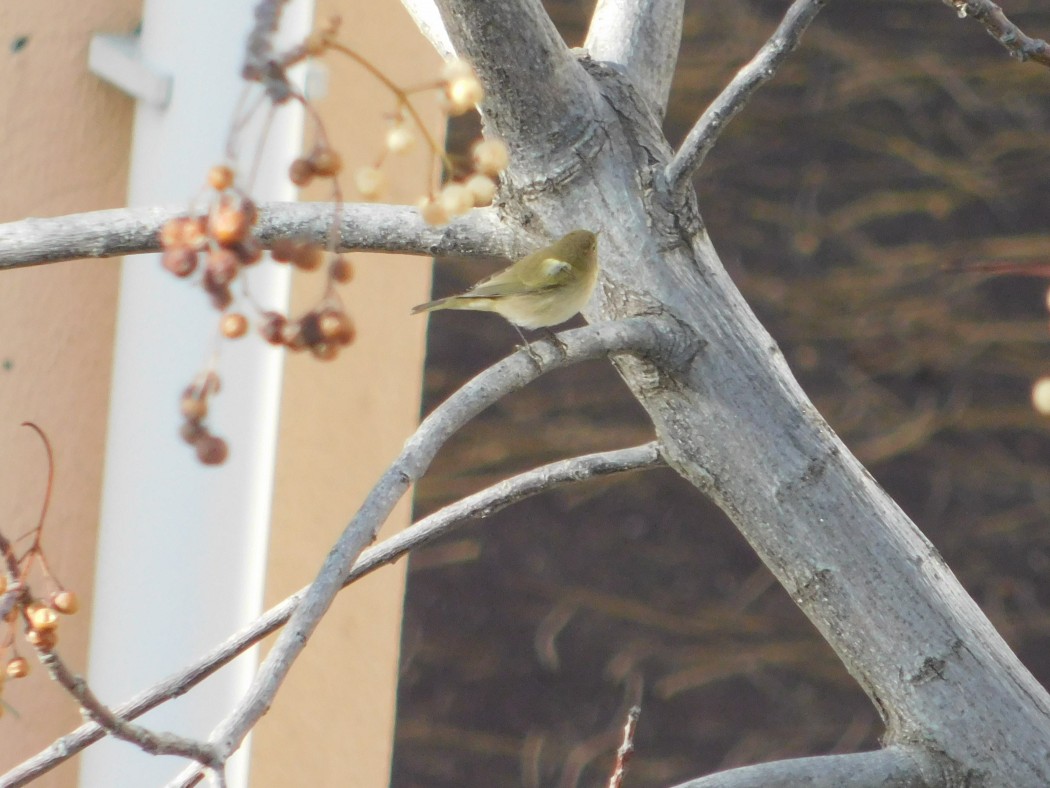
(441, 303)
(452, 302)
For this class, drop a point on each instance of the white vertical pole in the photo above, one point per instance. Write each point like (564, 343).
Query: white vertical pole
(181, 551)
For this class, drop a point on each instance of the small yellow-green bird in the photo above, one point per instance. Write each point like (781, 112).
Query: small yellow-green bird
(541, 290)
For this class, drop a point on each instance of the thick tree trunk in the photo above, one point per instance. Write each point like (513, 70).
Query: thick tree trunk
(588, 152)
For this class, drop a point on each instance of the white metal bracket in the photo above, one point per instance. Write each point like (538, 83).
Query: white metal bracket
(116, 59)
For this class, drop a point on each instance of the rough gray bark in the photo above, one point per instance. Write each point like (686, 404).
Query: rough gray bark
(588, 152)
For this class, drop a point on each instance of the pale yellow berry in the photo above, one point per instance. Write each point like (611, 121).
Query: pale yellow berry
(1041, 396)
(456, 68)
(370, 182)
(482, 188)
(400, 139)
(456, 199)
(464, 94)
(491, 157)
(432, 211)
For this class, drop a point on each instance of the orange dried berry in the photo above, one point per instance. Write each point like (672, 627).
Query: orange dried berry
(171, 232)
(233, 325)
(17, 668)
(191, 431)
(369, 182)
(221, 297)
(228, 224)
(220, 177)
(326, 161)
(43, 619)
(292, 336)
(249, 250)
(223, 265)
(308, 257)
(341, 270)
(283, 250)
(3, 584)
(180, 260)
(194, 407)
(335, 327)
(301, 172)
(310, 326)
(211, 450)
(251, 211)
(44, 639)
(184, 231)
(212, 383)
(323, 351)
(272, 327)
(490, 157)
(65, 602)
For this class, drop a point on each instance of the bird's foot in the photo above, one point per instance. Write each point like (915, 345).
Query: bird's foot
(555, 340)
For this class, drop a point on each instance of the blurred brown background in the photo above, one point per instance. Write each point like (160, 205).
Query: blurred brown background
(900, 141)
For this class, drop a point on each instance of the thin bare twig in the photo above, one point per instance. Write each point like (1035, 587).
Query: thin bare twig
(737, 93)
(626, 751)
(145, 739)
(1003, 30)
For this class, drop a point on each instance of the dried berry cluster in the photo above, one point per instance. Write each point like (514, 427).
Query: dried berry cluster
(223, 237)
(221, 243)
(475, 190)
(39, 617)
(211, 449)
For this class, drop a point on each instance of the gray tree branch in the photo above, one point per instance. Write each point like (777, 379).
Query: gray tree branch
(538, 100)
(643, 37)
(362, 227)
(999, 27)
(735, 96)
(891, 766)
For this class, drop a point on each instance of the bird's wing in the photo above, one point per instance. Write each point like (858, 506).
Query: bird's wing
(544, 271)
(528, 275)
(493, 289)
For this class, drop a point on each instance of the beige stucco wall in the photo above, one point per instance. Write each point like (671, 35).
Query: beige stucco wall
(63, 148)
(65, 141)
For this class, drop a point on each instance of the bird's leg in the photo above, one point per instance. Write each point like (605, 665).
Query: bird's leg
(555, 340)
(528, 347)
